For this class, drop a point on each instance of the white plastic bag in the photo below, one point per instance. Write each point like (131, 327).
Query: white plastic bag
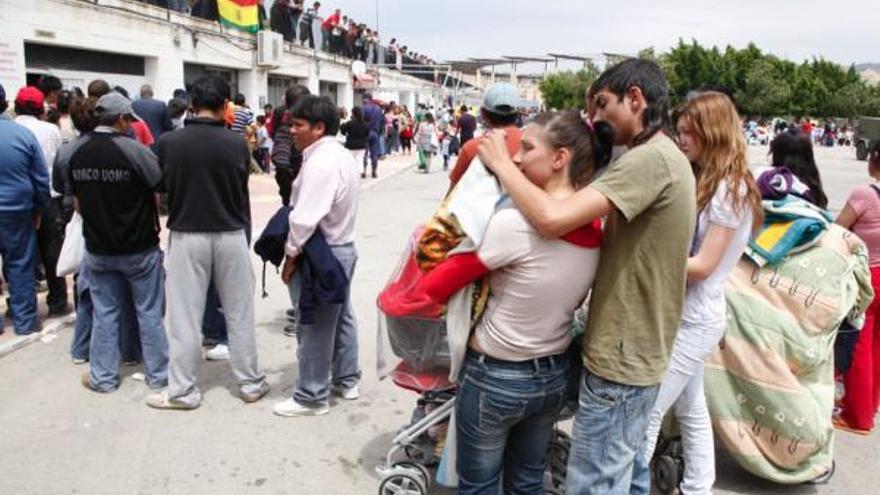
(72, 249)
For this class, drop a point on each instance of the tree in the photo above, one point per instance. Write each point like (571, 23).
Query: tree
(567, 90)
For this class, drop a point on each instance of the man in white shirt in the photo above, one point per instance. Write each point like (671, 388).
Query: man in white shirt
(29, 110)
(325, 196)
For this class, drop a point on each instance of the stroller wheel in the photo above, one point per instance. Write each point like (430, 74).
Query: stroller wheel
(667, 473)
(402, 482)
(424, 474)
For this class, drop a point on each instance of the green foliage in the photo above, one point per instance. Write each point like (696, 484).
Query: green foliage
(567, 90)
(763, 84)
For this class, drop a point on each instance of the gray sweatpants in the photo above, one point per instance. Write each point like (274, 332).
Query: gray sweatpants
(327, 350)
(194, 259)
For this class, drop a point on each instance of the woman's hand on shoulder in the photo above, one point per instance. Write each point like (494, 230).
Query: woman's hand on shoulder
(493, 151)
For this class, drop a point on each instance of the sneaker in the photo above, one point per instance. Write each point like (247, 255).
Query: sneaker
(79, 361)
(161, 401)
(291, 409)
(347, 393)
(255, 396)
(219, 352)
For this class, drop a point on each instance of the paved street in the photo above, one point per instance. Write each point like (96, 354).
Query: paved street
(57, 438)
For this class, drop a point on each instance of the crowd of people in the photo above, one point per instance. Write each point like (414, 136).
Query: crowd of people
(822, 133)
(652, 236)
(297, 20)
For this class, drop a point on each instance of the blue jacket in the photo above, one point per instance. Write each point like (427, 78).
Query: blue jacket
(374, 117)
(155, 114)
(24, 176)
(324, 280)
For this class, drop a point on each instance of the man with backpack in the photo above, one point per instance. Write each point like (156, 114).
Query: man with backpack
(285, 156)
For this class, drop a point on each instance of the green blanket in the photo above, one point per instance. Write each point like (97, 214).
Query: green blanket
(770, 384)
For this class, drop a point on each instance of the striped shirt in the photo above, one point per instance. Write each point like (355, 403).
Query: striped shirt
(244, 117)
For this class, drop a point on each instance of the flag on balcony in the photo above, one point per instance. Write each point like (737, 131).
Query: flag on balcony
(240, 14)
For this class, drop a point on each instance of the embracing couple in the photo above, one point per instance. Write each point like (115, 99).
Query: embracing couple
(656, 307)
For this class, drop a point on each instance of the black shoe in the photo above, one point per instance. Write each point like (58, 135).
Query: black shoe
(374, 175)
(291, 330)
(60, 311)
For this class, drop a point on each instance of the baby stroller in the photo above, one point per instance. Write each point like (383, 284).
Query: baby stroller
(417, 339)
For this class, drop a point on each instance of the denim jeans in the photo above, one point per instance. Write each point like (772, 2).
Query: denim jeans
(214, 321)
(129, 339)
(682, 388)
(504, 415)
(327, 350)
(609, 433)
(18, 249)
(142, 274)
(373, 147)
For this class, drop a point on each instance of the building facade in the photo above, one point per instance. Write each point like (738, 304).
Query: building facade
(131, 43)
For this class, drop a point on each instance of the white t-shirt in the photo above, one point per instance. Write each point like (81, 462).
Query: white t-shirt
(536, 285)
(704, 300)
(50, 139)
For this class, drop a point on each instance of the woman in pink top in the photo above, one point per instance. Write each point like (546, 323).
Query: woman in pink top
(862, 381)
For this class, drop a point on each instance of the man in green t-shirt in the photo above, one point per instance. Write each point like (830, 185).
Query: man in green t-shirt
(647, 197)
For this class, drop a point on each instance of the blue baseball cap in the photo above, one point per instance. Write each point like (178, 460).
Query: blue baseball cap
(502, 99)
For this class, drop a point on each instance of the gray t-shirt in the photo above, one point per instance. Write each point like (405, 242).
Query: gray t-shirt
(536, 285)
(704, 300)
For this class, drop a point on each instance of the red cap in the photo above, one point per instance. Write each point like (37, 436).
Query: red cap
(30, 94)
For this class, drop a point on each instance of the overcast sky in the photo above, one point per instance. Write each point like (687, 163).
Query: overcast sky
(843, 31)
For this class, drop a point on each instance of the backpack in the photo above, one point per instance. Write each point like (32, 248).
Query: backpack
(270, 246)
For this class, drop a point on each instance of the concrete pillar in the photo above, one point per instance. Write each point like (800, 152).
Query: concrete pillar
(314, 80)
(479, 79)
(165, 74)
(513, 76)
(254, 85)
(345, 95)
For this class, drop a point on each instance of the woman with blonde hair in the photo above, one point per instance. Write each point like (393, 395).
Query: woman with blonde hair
(729, 205)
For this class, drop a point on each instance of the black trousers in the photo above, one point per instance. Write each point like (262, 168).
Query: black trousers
(284, 178)
(50, 237)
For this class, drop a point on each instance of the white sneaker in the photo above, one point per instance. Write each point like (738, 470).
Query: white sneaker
(348, 393)
(219, 352)
(291, 409)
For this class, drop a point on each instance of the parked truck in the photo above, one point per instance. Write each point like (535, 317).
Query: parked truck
(867, 133)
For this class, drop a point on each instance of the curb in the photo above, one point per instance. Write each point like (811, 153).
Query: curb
(50, 329)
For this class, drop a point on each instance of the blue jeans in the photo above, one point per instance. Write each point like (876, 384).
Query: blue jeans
(214, 321)
(327, 350)
(129, 340)
(504, 415)
(373, 147)
(609, 432)
(143, 274)
(18, 249)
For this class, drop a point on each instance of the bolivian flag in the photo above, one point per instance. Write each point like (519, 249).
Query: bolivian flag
(240, 14)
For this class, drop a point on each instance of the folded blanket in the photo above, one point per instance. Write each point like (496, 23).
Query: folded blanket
(791, 224)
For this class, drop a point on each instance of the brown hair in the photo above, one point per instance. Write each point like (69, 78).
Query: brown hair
(82, 113)
(590, 144)
(714, 120)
